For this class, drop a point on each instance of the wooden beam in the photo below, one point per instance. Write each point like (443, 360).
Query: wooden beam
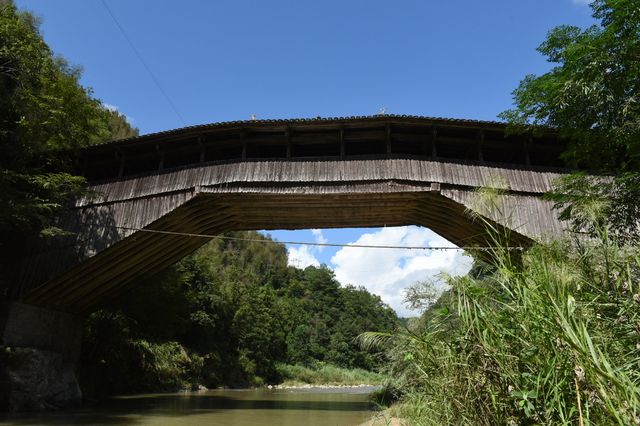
(120, 158)
(83, 165)
(341, 136)
(243, 141)
(203, 148)
(161, 154)
(167, 250)
(480, 146)
(434, 141)
(388, 138)
(120, 256)
(287, 135)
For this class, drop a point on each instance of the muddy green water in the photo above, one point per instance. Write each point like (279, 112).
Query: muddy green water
(348, 406)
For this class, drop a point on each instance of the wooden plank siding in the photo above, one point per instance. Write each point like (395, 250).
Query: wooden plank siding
(353, 172)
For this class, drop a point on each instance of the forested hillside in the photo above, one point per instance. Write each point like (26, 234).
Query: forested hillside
(228, 315)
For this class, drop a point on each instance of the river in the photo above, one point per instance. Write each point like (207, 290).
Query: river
(295, 407)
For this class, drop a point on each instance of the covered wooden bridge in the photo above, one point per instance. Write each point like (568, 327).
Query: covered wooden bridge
(285, 174)
(271, 174)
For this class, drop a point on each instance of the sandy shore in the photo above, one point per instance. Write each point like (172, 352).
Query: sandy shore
(309, 386)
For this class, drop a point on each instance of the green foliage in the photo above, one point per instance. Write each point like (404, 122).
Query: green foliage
(591, 95)
(591, 203)
(551, 342)
(163, 366)
(326, 374)
(116, 126)
(43, 110)
(116, 360)
(547, 337)
(237, 311)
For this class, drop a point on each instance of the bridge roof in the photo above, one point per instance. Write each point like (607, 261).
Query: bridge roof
(345, 138)
(321, 122)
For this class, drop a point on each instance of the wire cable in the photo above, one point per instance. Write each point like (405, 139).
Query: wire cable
(306, 243)
(144, 64)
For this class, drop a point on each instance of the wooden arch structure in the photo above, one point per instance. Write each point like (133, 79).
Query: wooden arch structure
(271, 174)
(284, 174)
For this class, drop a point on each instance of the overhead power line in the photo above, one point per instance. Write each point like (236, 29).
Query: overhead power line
(306, 243)
(144, 64)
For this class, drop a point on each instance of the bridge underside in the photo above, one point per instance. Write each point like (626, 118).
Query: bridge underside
(107, 254)
(284, 174)
(213, 210)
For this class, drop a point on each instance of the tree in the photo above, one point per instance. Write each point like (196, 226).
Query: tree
(117, 126)
(592, 93)
(237, 311)
(592, 96)
(43, 110)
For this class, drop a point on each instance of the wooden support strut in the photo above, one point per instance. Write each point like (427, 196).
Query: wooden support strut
(434, 140)
(341, 136)
(62, 287)
(83, 165)
(388, 138)
(527, 157)
(480, 146)
(120, 158)
(161, 154)
(203, 148)
(287, 136)
(243, 141)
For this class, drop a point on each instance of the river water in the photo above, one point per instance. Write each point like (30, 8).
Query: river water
(294, 407)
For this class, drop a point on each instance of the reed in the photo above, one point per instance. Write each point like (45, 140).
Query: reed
(326, 374)
(550, 336)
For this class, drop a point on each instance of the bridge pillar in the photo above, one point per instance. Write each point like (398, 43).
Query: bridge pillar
(38, 352)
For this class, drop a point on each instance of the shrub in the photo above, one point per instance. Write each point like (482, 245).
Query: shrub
(551, 337)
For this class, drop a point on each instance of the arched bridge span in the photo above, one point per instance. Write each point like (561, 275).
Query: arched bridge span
(272, 174)
(285, 174)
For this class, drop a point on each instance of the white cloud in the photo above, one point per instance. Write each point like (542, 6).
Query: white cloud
(110, 107)
(302, 256)
(387, 272)
(320, 239)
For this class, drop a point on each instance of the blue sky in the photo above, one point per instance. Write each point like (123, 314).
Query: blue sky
(229, 60)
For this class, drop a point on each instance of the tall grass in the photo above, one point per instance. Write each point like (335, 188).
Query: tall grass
(551, 336)
(325, 374)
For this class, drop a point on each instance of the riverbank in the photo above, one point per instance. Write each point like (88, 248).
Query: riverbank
(325, 375)
(383, 420)
(331, 378)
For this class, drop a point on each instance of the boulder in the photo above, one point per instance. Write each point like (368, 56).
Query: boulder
(35, 380)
